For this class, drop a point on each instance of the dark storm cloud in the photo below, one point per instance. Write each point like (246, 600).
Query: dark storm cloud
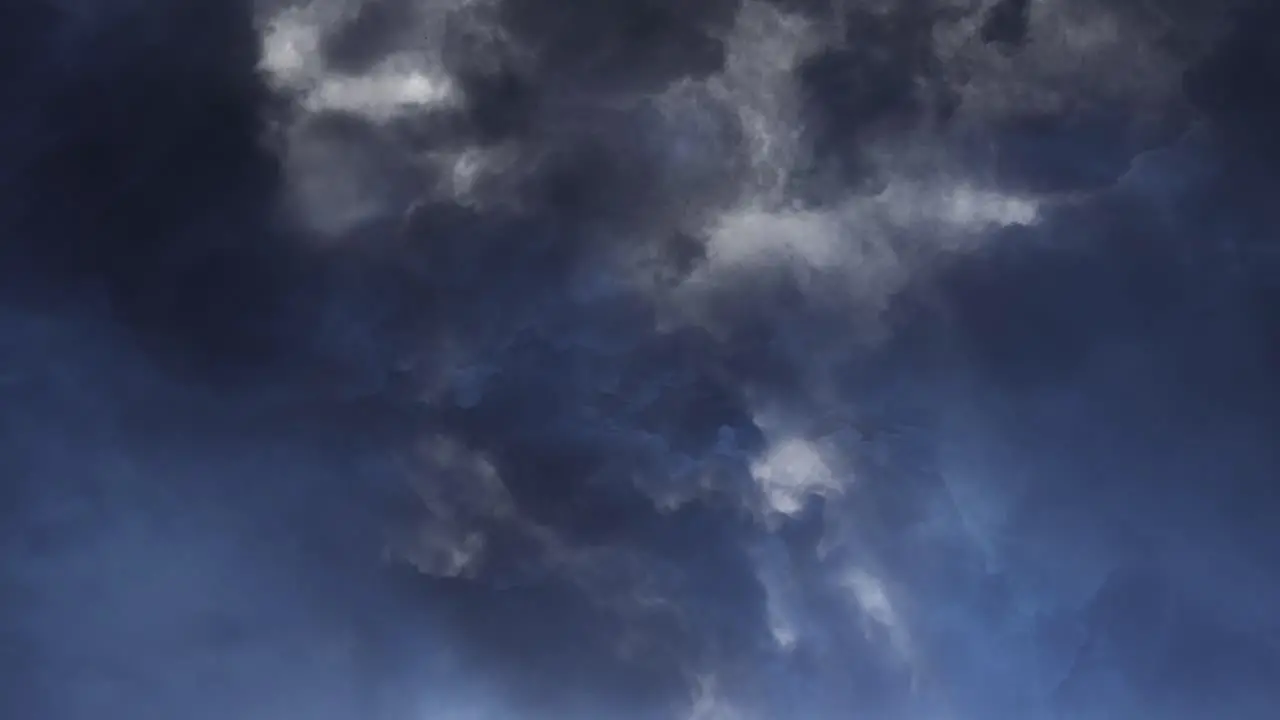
(512, 359)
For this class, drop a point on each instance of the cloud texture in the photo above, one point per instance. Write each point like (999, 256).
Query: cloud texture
(741, 359)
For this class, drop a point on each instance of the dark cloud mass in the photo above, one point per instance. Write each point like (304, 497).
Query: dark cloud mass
(733, 360)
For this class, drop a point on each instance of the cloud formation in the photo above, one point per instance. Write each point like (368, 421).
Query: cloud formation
(738, 359)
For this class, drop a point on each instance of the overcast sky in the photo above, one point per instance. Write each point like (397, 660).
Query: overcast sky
(647, 360)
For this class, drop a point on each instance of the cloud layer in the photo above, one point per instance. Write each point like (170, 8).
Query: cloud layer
(760, 359)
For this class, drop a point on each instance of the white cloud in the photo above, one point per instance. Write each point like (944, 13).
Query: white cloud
(872, 599)
(754, 237)
(790, 472)
(401, 85)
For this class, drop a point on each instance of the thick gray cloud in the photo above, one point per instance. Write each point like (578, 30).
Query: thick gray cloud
(507, 359)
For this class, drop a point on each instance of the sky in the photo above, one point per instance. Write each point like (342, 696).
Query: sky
(730, 360)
